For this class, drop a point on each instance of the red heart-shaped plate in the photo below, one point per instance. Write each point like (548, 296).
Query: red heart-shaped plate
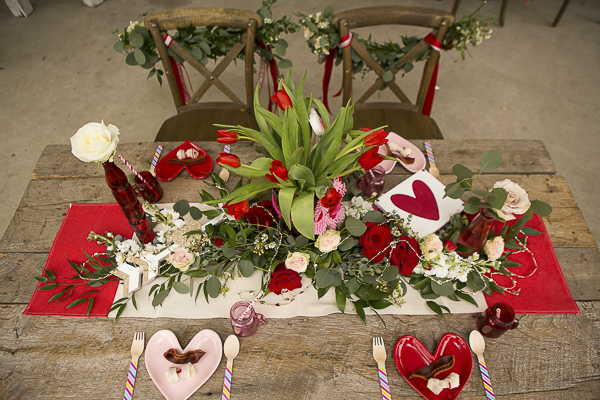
(166, 171)
(410, 355)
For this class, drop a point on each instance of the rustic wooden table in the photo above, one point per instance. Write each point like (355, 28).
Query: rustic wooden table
(296, 358)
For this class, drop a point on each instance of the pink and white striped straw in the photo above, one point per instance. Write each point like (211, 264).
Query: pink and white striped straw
(247, 310)
(132, 169)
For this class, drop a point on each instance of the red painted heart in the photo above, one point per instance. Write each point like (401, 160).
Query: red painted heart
(422, 205)
(410, 355)
(166, 171)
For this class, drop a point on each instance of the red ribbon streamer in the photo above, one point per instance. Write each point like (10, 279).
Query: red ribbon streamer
(428, 104)
(178, 78)
(274, 70)
(346, 41)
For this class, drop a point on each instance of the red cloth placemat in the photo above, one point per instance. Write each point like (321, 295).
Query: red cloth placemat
(546, 291)
(71, 242)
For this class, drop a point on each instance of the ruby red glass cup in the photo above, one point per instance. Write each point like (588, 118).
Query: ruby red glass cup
(372, 182)
(249, 323)
(496, 320)
(149, 190)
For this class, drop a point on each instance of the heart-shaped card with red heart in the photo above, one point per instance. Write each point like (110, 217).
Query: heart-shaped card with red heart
(410, 355)
(167, 170)
(422, 197)
(157, 365)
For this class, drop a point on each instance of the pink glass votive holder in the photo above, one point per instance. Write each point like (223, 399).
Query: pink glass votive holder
(496, 320)
(372, 182)
(248, 325)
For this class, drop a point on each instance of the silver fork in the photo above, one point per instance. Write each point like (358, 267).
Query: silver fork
(137, 348)
(380, 356)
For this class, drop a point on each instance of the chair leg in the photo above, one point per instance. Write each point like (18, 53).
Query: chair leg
(455, 7)
(503, 11)
(561, 12)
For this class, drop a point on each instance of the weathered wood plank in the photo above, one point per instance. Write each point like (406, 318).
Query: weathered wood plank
(305, 358)
(521, 156)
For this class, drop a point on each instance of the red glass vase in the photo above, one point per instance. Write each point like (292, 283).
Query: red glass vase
(127, 200)
(476, 233)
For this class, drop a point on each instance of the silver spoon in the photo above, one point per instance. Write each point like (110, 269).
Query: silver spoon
(477, 344)
(231, 348)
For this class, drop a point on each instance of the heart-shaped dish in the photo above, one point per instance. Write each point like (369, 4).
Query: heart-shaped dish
(410, 355)
(388, 165)
(157, 365)
(166, 171)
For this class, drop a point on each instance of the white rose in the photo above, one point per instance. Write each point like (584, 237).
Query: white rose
(297, 261)
(308, 33)
(328, 241)
(431, 246)
(95, 142)
(517, 201)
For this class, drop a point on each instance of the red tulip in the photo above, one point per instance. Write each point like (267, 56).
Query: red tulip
(282, 99)
(229, 159)
(449, 245)
(226, 137)
(331, 199)
(237, 209)
(376, 138)
(277, 170)
(370, 159)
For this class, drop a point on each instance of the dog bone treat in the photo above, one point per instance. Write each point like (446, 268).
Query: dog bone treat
(172, 375)
(187, 371)
(440, 365)
(453, 379)
(193, 357)
(435, 385)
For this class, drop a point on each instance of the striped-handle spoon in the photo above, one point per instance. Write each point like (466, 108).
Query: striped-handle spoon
(231, 348)
(478, 346)
(433, 170)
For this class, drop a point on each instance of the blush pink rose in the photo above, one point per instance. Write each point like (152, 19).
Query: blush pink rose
(494, 248)
(517, 201)
(182, 259)
(328, 241)
(297, 261)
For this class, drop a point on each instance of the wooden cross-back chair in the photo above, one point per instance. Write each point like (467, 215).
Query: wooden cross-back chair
(194, 120)
(403, 117)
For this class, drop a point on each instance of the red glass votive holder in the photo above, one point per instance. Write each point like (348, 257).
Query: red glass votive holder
(496, 320)
(372, 182)
(149, 190)
(247, 325)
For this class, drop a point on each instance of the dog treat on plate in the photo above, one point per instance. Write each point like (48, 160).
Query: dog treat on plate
(440, 365)
(172, 375)
(187, 371)
(450, 382)
(175, 357)
(453, 379)
(435, 385)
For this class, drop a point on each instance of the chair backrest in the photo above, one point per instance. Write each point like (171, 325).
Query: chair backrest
(158, 24)
(438, 21)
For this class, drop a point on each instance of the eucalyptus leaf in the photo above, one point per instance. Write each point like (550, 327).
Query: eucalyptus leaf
(540, 208)
(246, 268)
(213, 286)
(285, 64)
(136, 40)
(491, 160)
(340, 299)
(159, 298)
(324, 278)
(355, 227)
(195, 213)
(118, 46)
(445, 289)
(182, 207)
(348, 244)
(387, 76)
(140, 57)
(374, 216)
(390, 273)
(181, 288)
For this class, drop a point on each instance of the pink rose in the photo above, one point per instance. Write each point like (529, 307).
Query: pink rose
(517, 201)
(182, 259)
(297, 261)
(431, 246)
(494, 248)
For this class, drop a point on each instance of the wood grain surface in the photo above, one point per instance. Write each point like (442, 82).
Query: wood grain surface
(328, 357)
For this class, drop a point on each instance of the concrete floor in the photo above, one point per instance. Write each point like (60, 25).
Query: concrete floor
(530, 81)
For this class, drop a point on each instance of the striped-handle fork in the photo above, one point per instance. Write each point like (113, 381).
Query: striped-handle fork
(380, 356)
(137, 348)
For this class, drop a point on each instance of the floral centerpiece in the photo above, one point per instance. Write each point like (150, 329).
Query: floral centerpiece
(285, 221)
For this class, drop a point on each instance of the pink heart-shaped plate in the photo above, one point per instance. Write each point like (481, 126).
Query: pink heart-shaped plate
(410, 355)
(388, 165)
(166, 171)
(157, 365)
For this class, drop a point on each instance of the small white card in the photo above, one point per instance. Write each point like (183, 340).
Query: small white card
(421, 196)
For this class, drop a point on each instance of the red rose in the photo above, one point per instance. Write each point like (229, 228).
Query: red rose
(224, 136)
(370, 159)
(406, 255)
(449, 245)
(282, 99)
(229, 159)
(237, 209)
(283, 278)
(376, 138)
(259, 214)
(331, 199)
(218, 242)
(375, 240)
(277, 170)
